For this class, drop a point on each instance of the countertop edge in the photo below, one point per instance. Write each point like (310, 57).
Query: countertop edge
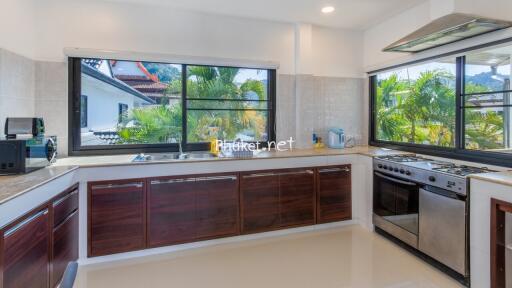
(502, 178)
(72, 168)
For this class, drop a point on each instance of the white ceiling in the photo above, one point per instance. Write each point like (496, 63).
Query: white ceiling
(349, 14)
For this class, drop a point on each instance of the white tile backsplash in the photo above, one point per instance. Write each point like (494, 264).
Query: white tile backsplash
(17, 87)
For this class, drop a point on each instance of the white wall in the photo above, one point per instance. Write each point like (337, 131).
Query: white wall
(337, 52)
(17, 23)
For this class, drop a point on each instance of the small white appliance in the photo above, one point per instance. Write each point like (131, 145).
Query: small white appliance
(336, 138)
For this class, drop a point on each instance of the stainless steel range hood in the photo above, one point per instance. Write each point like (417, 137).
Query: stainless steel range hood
(447, 29)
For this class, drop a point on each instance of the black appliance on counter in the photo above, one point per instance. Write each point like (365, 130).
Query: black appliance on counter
(23, 126)
(25, 148)
(422, 203)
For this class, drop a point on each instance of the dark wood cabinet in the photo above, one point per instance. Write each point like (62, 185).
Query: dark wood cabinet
(217, 206)
(116, 217)
(190, 208)
(260, 201)
(297, 197)
(64, 233)
(25, 251)
(334, 190)
(277, 199)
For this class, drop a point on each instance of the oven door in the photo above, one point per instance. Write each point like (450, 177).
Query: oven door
(395, 207)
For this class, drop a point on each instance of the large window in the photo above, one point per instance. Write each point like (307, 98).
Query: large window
(142, 106)
(416, 104)
(458, 106)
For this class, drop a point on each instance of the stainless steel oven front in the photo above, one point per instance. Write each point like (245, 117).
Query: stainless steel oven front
(396, 206)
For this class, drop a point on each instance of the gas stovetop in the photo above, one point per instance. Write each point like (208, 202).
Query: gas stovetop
(435, 165)
(422, 170)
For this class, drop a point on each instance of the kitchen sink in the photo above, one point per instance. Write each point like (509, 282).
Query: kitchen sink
(172, 156)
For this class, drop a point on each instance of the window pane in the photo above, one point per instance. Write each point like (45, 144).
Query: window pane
(237, 90)
(417, 104)
(229, 125)
(226, 83)
(488, 129)
(130, 102)
(488, 70)
(483, 100)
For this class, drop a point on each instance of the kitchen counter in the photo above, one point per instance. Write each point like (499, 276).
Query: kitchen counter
(121, 160)
(504, 178)
(16, 185)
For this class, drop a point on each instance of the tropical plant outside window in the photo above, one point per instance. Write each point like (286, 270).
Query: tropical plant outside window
(417, 104)
(143, 103)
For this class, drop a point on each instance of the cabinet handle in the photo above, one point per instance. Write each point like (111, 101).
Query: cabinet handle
(193, 179)
(259, 175)
(25, 222)
(65, 220)
(116, 186)
(330, 170)
(296, 173)
(64, 198)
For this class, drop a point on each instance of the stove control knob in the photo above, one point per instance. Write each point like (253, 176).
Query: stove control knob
(396, 169)
(386, 167)
(380, 165)
(432, 179)
(390, 168)
(402, 171)
(408, 173)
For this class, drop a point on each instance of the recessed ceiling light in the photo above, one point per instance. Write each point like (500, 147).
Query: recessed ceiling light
(328, 9)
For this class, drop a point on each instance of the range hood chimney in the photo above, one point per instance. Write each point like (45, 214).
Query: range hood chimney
(447, 29)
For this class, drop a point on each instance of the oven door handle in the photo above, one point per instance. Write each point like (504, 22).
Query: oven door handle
(395, 180)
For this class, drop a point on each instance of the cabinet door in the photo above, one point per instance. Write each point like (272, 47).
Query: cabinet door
(334, 194)
(260, 202)
(217, 206)
(116, 217)
(297, 197)
(65, 247)
(25, 252)
(172, 206)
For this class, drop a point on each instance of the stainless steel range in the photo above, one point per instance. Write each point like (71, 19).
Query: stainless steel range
(422, 202)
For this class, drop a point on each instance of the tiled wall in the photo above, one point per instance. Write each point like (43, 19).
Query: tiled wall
(321, 103)
(17, 87)
(51, 86)
(306, 104)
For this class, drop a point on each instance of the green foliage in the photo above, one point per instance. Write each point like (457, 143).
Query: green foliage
(151, 124)
(423, 111)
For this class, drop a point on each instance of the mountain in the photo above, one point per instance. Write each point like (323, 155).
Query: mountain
(486, 79)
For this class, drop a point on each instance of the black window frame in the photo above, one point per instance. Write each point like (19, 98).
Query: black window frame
(122, 109)
(74, 92)
(458, 152)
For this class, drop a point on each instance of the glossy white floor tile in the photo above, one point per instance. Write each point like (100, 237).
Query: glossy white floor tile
(342, 257)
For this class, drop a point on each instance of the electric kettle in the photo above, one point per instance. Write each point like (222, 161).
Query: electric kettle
(336, 138)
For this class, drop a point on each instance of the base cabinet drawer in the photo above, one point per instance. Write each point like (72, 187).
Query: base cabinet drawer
(334, 194)
(25, 252)
(117, 217)
(65, 247)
